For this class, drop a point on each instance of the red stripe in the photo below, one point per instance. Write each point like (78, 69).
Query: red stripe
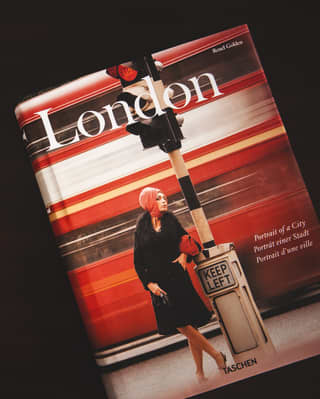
(252, 131)
(83, 89)
(125, 259)
(48, 159)
(182, 51)
(129, 201)
(243, 82)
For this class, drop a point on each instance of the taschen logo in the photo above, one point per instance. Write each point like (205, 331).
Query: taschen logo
(135, 111)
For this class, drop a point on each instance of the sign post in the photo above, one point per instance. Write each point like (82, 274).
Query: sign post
(224, 282)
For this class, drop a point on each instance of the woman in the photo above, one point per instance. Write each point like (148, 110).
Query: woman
(162, 269)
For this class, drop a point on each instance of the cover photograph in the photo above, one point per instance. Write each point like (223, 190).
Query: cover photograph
(181, 217)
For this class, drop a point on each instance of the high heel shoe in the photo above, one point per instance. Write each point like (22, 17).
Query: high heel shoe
(225, 361)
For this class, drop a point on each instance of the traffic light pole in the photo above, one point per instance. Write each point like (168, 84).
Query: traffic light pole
(172, 147)
(190, 195)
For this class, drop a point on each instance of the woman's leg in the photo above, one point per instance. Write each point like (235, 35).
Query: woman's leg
(198, 359)
(201, 342)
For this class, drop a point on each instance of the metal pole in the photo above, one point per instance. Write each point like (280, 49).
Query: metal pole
(198, 216)
(178, 165)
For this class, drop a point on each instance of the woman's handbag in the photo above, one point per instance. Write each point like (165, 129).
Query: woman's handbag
(160, 300)
(189, 246)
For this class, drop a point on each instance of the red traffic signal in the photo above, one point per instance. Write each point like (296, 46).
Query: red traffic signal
(132, 72)
(123, 72)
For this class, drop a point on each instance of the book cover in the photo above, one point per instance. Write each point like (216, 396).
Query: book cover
(91, 170)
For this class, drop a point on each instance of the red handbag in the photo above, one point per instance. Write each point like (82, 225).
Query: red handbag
(189, 246)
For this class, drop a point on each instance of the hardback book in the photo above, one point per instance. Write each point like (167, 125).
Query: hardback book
(96, 142)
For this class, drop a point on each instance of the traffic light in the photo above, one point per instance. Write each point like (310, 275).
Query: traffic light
(127, 73)
(163, 130)
(133, 71)
(156, 123)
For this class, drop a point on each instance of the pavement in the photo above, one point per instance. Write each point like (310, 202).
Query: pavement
(295, 336)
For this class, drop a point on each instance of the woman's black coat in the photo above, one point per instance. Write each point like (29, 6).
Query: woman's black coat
(153, 256)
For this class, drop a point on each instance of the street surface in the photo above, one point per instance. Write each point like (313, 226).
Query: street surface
(295, 335)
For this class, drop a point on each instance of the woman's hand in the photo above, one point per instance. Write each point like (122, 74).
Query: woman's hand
(155, 289)
(182, 259)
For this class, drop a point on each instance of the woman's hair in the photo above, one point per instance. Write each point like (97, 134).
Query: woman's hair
(148, 200)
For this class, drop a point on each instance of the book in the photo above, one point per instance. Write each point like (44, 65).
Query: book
(90, 171)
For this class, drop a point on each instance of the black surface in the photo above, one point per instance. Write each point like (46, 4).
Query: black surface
(44, 347)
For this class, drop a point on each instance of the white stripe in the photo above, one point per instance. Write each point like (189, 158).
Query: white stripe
(124, 156)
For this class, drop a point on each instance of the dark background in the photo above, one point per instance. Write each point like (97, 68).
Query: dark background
(44, 348)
